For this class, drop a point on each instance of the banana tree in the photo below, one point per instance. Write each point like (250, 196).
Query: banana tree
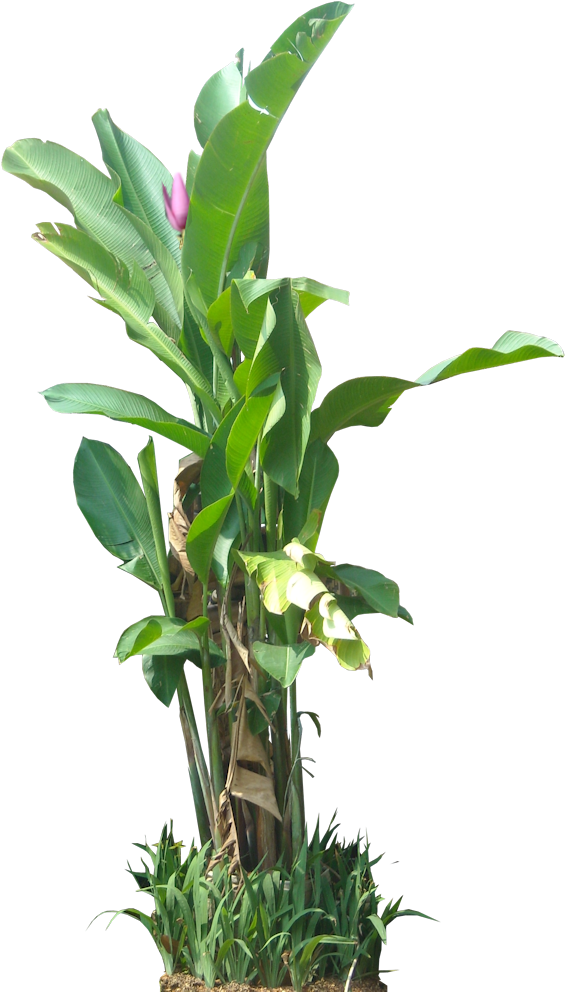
(244, 594)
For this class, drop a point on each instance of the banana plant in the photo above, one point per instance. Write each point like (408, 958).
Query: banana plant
(244, 595)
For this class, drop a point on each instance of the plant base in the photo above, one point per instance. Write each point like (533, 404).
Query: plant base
(183, 982)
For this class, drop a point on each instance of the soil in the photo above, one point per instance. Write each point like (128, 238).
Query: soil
(183, 982)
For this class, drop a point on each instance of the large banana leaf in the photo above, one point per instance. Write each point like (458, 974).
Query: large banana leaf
(367, 401)
(127, 293)
(89, 195)
(220, 94)
(161, 635)
(113, 503)
(132, 408)
(227, 210)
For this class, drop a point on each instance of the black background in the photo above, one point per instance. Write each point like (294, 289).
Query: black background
(455, 497)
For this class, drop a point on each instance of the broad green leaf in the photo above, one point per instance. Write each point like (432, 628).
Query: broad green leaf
(367, 401)
(304, 34)
(150, 482)
(226, 209)
(246, 317)
(227, 538)
(282, 662)
(142, 177)
(111, 499)
(318, 477)
(219, 319)
(313, 293)
(203, 534)
(157, 634)
(89, 195)
(378, 591)
(287, 429)
(132, 408)
(361, 402)
(243, 435)
(161, 635)
(514, 346)
(405, 615)
(168, 312)
(265, 367)
(354, 606)
(128, 294)
(220, 94)
(162, 675)
(214, 479)
(378, 925)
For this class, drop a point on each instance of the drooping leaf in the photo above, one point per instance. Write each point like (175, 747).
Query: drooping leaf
(325, 623)
(272, 571)
(159, 635)
(283, 662)
(111, 499)
(361, 402)
(375, 588)
(367, 401)
(128, 294)
(513, 346)
(162, 675)
(132, 408)
(89, 195)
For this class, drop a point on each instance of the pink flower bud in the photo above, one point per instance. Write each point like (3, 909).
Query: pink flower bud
(176, 205)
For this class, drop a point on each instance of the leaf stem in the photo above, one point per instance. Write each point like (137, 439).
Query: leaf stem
(212, 731)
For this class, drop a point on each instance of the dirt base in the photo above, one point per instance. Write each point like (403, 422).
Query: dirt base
(183, 982)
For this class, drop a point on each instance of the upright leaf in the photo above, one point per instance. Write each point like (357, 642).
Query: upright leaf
(227, 210)
(220, 94)
(318, 477)
(203, 534)
(287, 429)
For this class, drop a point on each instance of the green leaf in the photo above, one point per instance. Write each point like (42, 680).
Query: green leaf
(256, 721)
(314, 718)
(220, 94)
(159, 635)
(89, 195)
(162, 675)
(287, 429)
(128, 294)
(367, 401)
(282, 662)
(318, 477)
(361, 402)
(203, 534)
(513, 346)
(132, 408)
(244, 434)
(142, 177)
(111, 499)
(378, 591)
(405, 615)
(228, 536)
(378, 925)
(227, 208)
(214, 479)
(313, 293)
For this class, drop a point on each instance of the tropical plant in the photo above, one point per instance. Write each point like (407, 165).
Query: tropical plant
(244, 594)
